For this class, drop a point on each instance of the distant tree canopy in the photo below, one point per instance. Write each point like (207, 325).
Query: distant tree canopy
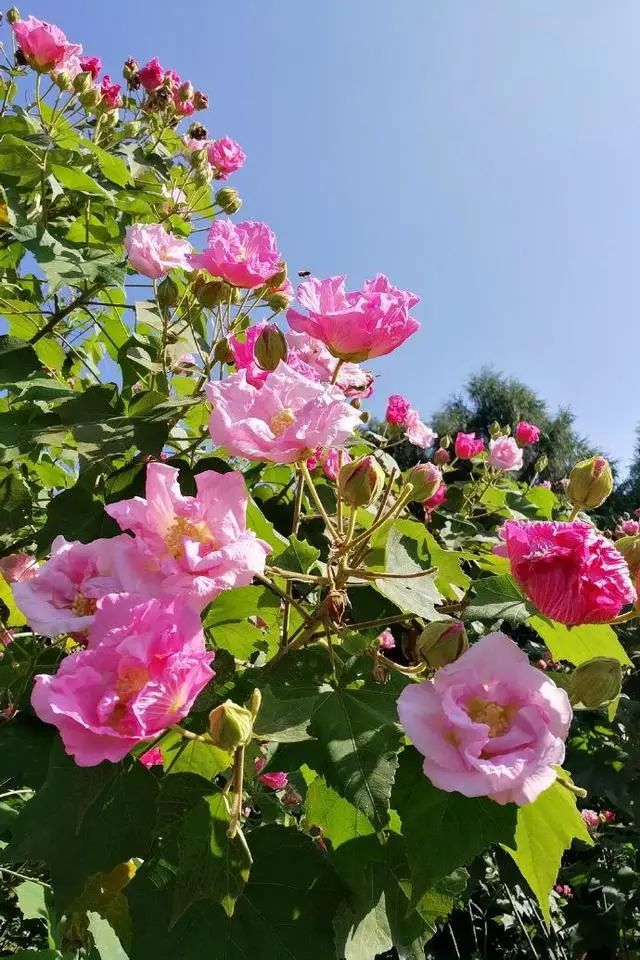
(489, 396)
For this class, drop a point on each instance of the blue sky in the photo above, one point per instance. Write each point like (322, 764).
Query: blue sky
(484, 153)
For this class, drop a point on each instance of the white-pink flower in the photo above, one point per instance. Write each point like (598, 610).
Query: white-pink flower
(418, 432)
(504, 454)
(153, 252)
(285, 420)
(196, 546)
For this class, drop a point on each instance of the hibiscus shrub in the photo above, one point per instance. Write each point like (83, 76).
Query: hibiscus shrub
(263, 694)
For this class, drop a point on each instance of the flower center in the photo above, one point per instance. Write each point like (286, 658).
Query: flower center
(130, 682)
(83, 606)
(282, 420)
(181, 528)
(495, 716)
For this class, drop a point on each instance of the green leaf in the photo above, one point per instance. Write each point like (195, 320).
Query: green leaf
(79, 182)
(339, 820)
(545, 829)
(32, 901)
(443, 831)
(211, 865)
(15, 618)
(25, 745)
(192, 756)
(498, 598)
(358, 740)
(105, 938)
(227, 619)
(18, 360)
(78, 515)
(111, 167)
(84, 820)
(416, 594)
(257, 522)
(285, 911)
(298, 557)
(577, 644)
(284, 721)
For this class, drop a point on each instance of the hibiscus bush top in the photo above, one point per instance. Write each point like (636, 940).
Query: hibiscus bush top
(262, 693)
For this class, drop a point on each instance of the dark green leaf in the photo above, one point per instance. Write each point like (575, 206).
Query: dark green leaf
(18, 360)
(298, 557)
(498, 598)
(414, 594)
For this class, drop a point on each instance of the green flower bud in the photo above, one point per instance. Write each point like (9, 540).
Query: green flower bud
(82, 82)
(222, 352)
(131, 129)
(168, 293)
(590, 483)
(13, 15)
(64, 81)
(270, 347)
(425, 478)
(629, 547)
(279, 279)
(278, 302)
(209, 293)
(595, 683)
(541, 464)
(442, 642)
(198, 159)
(360, 481)
(445, 441)
(228, 200)
(91, 98)
(202, 177)
(230, 726)
(495, 430)
(130, 68)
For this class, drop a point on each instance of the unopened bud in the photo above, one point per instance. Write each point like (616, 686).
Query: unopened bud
(595, 683)
(270, 347)
(425, 478)
(131, 129)
(254, 703)
(130, 68)
(278, 279)
(278, 302)
(198, 159)
(230, 726)
(168, 293)
(185, 91)
(228, 200)
(82, 82)
(442, 642)
(360, 481)
(13, 15)
(337, 602)
(210, 293)
(110, 119)
(91, 98)
(202, 177)
(541, 464)
(629, 547)
(222, 352)
(495, 430)
(590, 483)
(441, 456)
(200, 100)
(64, 81)
(445, 441)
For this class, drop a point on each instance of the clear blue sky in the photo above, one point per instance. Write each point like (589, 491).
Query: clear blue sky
(484, 153)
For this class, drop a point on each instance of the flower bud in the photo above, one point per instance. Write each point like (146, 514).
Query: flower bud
(595, 683)
(82, 82)
(222, 352)
(64, 81)
(590, 483)
(270, 347)
(541, 464)
(278, 302)
(337, 602)
(130, 68)
(185, 91)
(91, 98)
(210, 293)
(200, 100)
(228, 200)
(441, 456)
(495, 430)
(445, 441)
(131, 129)
(279, 279)
(425, 478)
(360, 481)
(198, 159)
(629, 547)
(168, 293)
(202, 177)
(442, 642)
(13, 15)
(230, 726)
